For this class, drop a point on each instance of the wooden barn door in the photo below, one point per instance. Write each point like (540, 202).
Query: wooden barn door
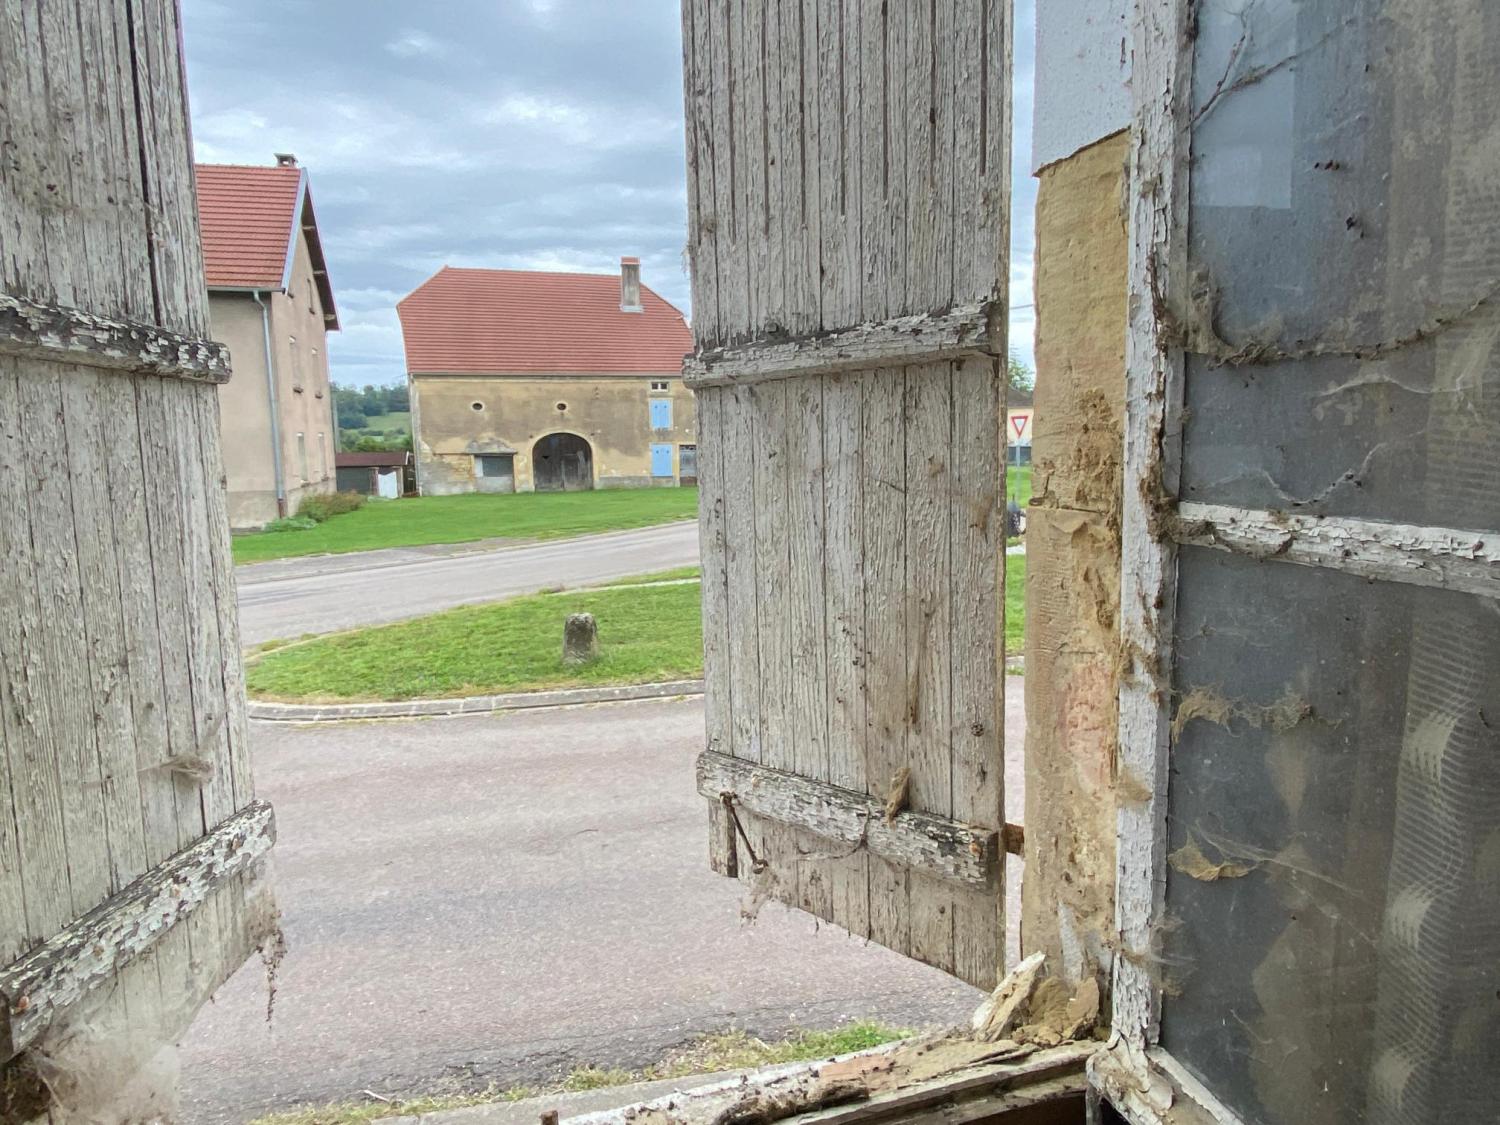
(848, 189)
(128, 826)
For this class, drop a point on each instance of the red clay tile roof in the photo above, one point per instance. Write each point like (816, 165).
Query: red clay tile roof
(465, 320)
(248, 215)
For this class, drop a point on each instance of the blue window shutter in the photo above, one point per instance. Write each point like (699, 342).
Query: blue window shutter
(661, 414)
(661, 460)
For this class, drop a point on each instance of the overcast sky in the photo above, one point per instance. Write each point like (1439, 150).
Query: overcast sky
(523, 134)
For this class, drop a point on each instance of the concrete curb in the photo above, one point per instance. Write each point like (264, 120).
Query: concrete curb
(471, 705)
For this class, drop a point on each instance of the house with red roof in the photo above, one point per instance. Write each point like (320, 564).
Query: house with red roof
(271, 303)
(526, 380)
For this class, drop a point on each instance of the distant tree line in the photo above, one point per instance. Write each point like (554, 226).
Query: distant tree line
(370, 401)
(1020, 374)
(358, 409)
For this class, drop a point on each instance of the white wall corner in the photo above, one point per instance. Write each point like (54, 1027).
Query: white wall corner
(1082, 76)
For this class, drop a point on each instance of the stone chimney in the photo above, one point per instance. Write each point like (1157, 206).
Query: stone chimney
(285, 160)
(630, 285)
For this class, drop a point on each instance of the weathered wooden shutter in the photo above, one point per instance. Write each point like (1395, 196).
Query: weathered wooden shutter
(1309, 895)
(128, 825)
(848, 192)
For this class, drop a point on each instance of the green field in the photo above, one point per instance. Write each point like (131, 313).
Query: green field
(382, 425)
(1015, 604)
(463, 519)
(645, 636)
(1018, 484)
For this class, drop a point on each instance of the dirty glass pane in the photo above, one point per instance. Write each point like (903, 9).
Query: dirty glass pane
(1344, 234)
(1331, 950)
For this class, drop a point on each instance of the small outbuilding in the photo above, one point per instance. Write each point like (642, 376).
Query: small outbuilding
(381, 474)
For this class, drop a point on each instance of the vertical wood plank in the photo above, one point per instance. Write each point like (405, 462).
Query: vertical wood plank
(107, 68)
(989, 249)
(919, 112)
(844, 626)
(772, 602)
(717, 699)
(900, 296)
(799, 164)
(22, 266)
(188, 949)
(230, 679)
(945, 96)
(100, 600)
(58, 642)
(875, 164)
(966, 191)
(204, 658)
(883, 441)
(776, 225)
(697, 46)
(235, 914)
(928, 416)
(155, 786)
(64, 268)
(739, 552)
(750, 108)
(166, 157)
(808, 664)
(86, 419)
(976, 518)
(729, 262)
(12, 892)
(835, 125)
(36, 810)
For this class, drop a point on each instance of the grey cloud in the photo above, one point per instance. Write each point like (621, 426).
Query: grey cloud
(507, 133)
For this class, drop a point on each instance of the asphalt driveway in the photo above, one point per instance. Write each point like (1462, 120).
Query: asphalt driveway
(501, 898)
(291, 597)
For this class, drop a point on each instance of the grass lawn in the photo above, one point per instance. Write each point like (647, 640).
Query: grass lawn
(1015, 604)
(659, 576)
(727, 1050)
(645, 636)
(381, 425)
(1018, 484)
(462, 519)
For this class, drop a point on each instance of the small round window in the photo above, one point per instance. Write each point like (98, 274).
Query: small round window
(562, 406)
(476, 406)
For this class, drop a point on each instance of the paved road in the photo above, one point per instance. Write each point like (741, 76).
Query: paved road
(498, 899)
(286, 599)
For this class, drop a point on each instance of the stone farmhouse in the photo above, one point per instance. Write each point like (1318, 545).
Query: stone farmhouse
(536, 381)
(271, 304)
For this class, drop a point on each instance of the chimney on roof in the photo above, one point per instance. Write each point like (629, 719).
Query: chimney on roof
(285, 160)
(630, 285)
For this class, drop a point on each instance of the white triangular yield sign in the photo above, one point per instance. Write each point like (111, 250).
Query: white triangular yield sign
(1018, 423)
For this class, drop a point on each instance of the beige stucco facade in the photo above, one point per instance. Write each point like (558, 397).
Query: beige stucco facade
(458, 420)
(303, 396)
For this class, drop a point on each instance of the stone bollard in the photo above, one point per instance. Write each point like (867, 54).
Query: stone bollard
(580, 639)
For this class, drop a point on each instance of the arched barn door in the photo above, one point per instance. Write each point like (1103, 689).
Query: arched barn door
(562, 463)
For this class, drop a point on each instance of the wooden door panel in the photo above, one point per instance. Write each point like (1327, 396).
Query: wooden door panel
(848, 182)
